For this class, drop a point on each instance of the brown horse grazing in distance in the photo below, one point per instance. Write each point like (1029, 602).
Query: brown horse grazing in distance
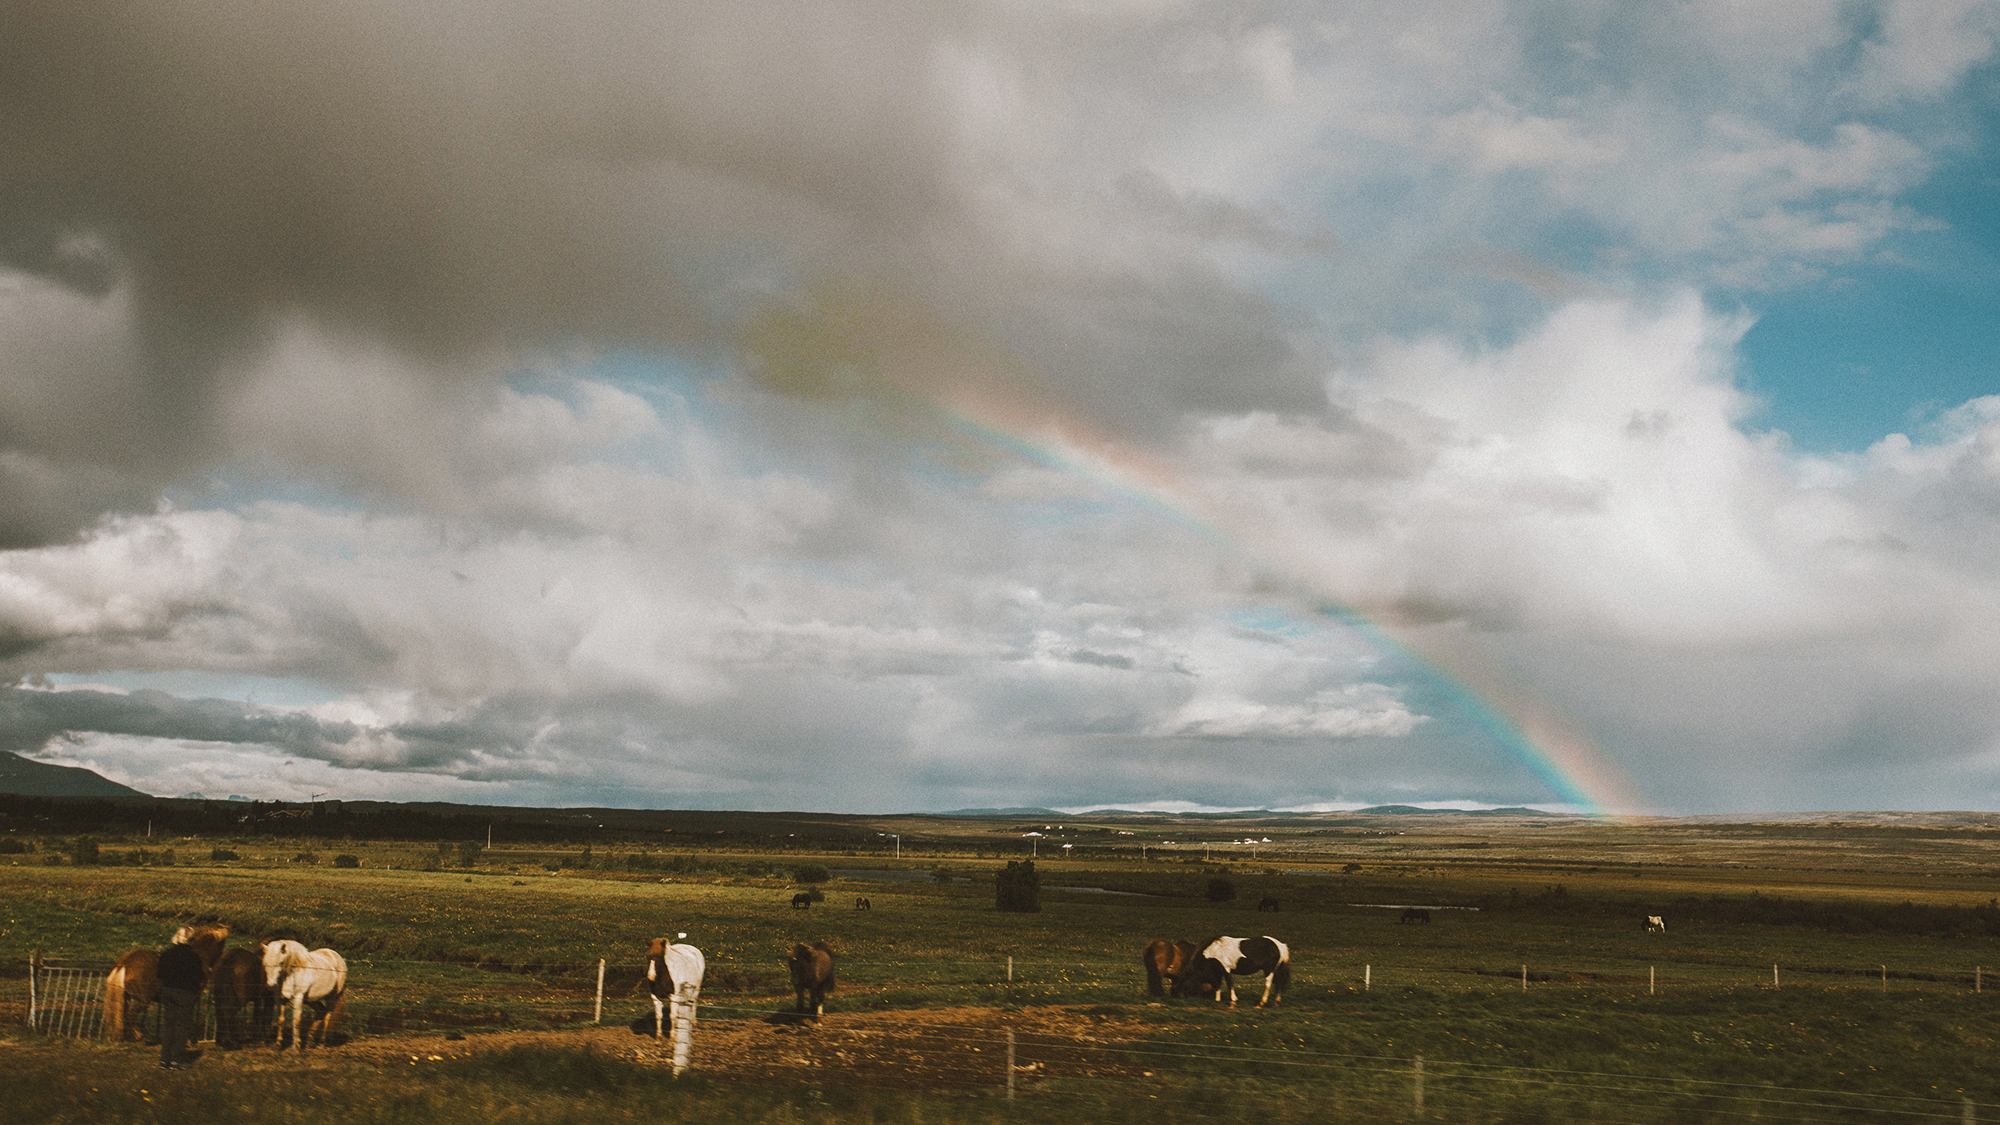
(1172, 968)
(812, 974)
(239, 980)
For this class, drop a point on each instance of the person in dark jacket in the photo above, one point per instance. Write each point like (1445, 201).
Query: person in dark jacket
(181, 977)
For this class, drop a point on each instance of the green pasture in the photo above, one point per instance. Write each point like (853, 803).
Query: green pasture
(1614, 1023)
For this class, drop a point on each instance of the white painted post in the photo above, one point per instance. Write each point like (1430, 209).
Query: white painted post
(684, 998)
(1774, 975)
(1010, 971)
(599, 1017)
(1650, 989)
(1367, 977)
(1010, 1061)
(1524, 978)
(1420, 1083)
(34, 970)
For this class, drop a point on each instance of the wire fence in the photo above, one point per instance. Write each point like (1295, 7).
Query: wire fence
(66, 999)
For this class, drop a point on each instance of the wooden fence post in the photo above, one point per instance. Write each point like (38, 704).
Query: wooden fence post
(34, 971)
(1010, 1054)
(1651, 990)
(683, 1002)
(599, 1017)
(1774, 975)
(1524, 978)
(1420, 1083)
(1885, 980)
(1367, 977)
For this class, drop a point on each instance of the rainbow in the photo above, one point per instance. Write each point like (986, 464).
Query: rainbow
(1550, 744)
(854, 341)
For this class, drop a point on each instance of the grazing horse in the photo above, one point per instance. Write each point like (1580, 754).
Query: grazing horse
(812, 974)
(1268, 906)
(1655, 924)
(673, 974)
(239, 980)
(1228, 957)
(1172, 969)
(318, 978)
(1416, 914)
(861, 904)
(802, 901)
(134, 982)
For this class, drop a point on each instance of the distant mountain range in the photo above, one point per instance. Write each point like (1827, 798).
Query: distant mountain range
(1256, 814)
(40, 779)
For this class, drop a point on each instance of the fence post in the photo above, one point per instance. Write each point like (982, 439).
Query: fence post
(599, 1016)
(1010, 1054)
(1976, 982)
(1774, 974)
(34, 971)
(1420, 1083)
(1885, 980)
(1651, 981)
(1524, 978)
(1367, 977)
(1969, 1115)
(684, 1000)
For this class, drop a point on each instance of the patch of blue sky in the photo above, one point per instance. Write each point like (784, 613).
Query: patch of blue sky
(262, 691)
(1884, 346)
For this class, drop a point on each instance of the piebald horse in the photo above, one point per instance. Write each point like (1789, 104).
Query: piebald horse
(299, 978)
(673, 975)
(812, 975)
(1227, 957)
(1171, 968)
(134, 981)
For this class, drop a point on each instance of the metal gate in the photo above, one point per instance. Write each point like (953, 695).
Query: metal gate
(66, 998)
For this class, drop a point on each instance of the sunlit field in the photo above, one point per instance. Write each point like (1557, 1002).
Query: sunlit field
(1856, 988)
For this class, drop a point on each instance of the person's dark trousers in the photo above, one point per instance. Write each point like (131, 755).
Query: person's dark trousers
(176, 1024)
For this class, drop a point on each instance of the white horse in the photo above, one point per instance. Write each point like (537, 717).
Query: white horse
(1655, 924)
(673, 975)
(299, 978)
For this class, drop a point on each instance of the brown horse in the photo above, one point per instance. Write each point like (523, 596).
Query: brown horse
(134, 981)
(1176, 962)
(239, 980)
(812, 973)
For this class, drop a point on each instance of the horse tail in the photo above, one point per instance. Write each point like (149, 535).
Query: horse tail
(114, 1003)
(1281, 977)
(1154, 983)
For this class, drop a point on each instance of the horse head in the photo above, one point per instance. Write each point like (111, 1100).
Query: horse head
(280, 957)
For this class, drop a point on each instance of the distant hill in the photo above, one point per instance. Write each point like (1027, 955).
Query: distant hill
(1000, 812)
(40, 779)
(1412, 810)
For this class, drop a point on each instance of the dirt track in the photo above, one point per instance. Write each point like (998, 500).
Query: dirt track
(936, 1048)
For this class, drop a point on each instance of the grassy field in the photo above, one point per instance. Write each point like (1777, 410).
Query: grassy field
(1875, 947)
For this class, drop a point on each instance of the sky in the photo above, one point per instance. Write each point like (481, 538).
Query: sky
(878, 406)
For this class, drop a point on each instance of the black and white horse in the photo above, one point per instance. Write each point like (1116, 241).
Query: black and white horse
(1227, 957)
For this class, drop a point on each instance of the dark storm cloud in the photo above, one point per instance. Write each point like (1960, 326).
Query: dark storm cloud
(29, 718)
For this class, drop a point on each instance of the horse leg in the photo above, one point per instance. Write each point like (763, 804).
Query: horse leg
(298, 1021)
(659, 1018)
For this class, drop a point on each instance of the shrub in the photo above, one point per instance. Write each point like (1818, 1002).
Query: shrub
(1018, 889)
(468, 852)
(83, 850)
(1220, 890)
(810, 873)
(15, 847)
(308, 858)
(223, 853)
(347, 861)
(166, 858)
(941, 874)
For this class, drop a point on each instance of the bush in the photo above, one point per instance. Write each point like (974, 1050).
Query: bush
(83, 850)
(166, 858)
(941, 874)
(1220, 890)
(223, 853)
(1018, 889)
(810, 873)
(347, 861)
(15, 847)
(468, 853)
(307, 858)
